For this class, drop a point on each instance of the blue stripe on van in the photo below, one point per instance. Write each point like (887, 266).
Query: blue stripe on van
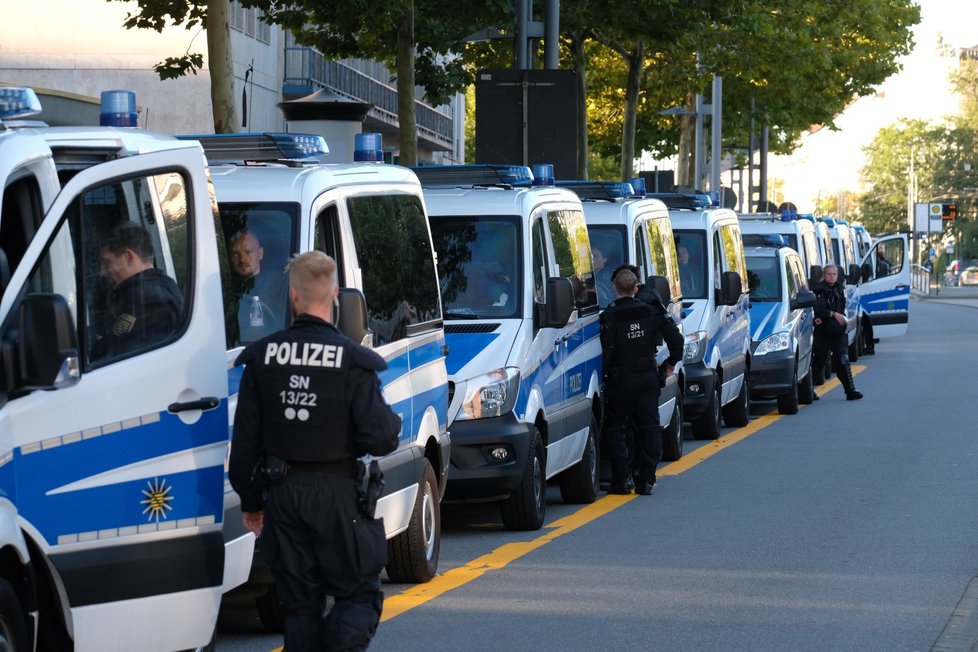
(462, 347)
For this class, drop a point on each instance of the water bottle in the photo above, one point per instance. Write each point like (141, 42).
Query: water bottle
(256, 319)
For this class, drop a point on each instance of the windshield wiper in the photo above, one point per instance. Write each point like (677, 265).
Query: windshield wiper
(461, 313)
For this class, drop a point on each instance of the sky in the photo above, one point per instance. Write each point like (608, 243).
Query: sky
(829, 161)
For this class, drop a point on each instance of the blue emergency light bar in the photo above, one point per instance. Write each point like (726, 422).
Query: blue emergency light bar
(789, 215)
(806, 216)
(118, 109)
(468, 176)
(259, 146)
(829, 221)
(764, 240)
(599, 189)
(690, 201)
(638, 185)
(18, 102)
(543, 174)
(368, 147)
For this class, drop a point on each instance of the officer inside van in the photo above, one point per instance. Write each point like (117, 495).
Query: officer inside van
(630, 330)
(260, 308)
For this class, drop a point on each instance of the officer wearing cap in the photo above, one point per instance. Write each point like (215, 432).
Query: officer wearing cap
(309, 405)
(630, 331)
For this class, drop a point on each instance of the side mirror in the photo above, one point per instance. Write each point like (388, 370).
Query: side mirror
(47, 353)
(351, 316)
(661, 286)
(814, 275)
(867, 271)
(731, 287)
(854, 274)
(804, 299)
(560, 302)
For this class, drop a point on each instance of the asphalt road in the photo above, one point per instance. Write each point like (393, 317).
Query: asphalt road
(849, 526)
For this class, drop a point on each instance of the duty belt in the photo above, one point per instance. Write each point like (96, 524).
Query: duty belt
(345, 468)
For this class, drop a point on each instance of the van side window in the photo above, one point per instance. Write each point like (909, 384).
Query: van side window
(887, 258)
(540, 265)
(642, 256)
(260, 238)
(22, 212)
(662, 244)
(572, 249)
(327, 239)
(717, 260)
(791, 277)
(397, 264)
(123, 260)
(733, 250)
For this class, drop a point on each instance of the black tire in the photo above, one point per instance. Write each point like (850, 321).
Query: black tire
(788, 402)
(579, 484)
(270, 611)
(806, 388)
(13, 627)
(861, 339)
(737, 413)
(708, 425)
(672, 434)
(412, 556)
(854, 347)
(526, 508)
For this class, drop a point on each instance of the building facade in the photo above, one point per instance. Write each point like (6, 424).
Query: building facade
(70, 51)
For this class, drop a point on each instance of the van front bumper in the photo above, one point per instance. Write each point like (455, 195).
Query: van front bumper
(488, 458)
(772, 374)
(701, 384)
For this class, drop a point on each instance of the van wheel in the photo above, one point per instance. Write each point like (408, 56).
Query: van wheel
(526, 508)
(270, 611)
(788, 402)
(579, 484)
(806, 388)
(708, 425)
(737, 413)
(672, 435)
(854, 347)
(13, 629)
(412, 556)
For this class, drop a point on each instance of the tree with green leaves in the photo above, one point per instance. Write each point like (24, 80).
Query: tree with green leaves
(213, 16)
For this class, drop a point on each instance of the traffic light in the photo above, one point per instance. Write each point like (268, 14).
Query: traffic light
(949, 211)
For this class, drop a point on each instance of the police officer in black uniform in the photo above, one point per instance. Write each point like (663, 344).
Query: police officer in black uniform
(630, 330)
(830, 331)
(146, 305)
(309, 405)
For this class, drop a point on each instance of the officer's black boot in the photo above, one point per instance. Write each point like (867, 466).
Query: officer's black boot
(845, 377)
(818, 369)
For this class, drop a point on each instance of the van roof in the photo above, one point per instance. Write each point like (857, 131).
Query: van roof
(702, 219)
(494, 201)
(276, 182)
(623, 212)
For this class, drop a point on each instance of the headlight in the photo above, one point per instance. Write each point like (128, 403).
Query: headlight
(773, 343)
(695, 347)
(490, 395)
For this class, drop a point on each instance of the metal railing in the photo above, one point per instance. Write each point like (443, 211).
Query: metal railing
(305, 67)
(920, 279)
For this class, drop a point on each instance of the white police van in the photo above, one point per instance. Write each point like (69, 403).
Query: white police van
(521, 321)
(782, 323)
(799, 234)
(370, 217)
(626, 227)
(863, 239)
(716, 321)
(112, 476)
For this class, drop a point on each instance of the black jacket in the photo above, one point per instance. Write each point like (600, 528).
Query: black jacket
(631, 331)
(828, 299)
(147, 308)
(307, 394)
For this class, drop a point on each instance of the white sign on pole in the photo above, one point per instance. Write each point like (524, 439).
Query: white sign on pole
(927, 217)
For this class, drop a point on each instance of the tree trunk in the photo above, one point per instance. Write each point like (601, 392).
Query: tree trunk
(685, 166)
(580, 67)
(406, 49)
(636, 64)
(220, 62)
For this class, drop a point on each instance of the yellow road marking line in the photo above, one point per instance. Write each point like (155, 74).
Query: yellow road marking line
(417, 595)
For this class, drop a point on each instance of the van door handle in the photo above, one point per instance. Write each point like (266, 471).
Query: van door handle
(205, 403)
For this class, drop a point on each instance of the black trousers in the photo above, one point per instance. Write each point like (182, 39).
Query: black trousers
(634, 400)
(317, 544)
(823, 344)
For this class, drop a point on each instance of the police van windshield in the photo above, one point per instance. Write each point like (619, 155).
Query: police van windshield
(478, 269)
(608, 252)
(764, 278)
(691, 253)
(259, 237)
